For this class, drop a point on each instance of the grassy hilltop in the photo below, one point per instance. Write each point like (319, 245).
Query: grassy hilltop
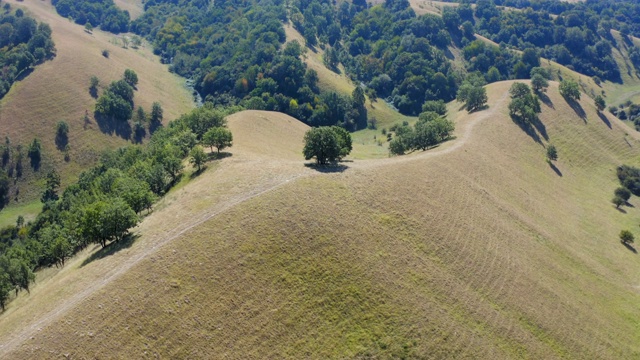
(475, 249)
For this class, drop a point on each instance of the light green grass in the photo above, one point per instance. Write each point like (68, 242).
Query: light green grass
(9, 215)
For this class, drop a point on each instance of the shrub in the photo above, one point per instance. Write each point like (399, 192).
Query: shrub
(626, 236)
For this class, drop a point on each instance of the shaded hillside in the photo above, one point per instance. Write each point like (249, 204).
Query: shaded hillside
(476, 249)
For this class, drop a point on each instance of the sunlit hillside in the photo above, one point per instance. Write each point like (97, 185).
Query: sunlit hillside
(475, 249)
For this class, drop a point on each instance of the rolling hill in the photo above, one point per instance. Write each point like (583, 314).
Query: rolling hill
(59, 90)
(475, 249)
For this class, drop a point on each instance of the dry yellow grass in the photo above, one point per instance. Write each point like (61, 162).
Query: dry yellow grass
(476, 249)
(58, 90)
(134, 7)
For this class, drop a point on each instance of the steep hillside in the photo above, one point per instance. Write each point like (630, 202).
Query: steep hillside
(59, 90)
(476, 249)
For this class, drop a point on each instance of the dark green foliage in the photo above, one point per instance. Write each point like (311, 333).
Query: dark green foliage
(103, 13)
(5, 186)
(35, 153)
(93, 86)
(626, 236)
(344, 141)
(326, 144)
(495, 62)
(575, 37)
(131, 77)
(197, 157)
(524, 106)
(62, 134)
(474, 97)
(23, 44)
(430, 130)
(629, 177)
(219, 137)
(240, 60)
(100, 207)
(51, 187)
(116, 102)
(552, 153)
(570, 90)
(600, 103)
(623, 193)
(539, 83)
(437, 106)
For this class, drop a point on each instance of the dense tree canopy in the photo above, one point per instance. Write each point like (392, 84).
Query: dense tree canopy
(327, 144)
(103, 13)
(23, 44)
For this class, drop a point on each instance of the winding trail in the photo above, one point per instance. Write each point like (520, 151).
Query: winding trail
(18, 338)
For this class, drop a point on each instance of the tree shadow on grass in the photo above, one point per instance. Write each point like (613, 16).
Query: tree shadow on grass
(329, 168)
(197, 173)
(545, 99)
(578, 109)
(604, 119)
(111, 249)
(110, 125)
(540, 128)
(621, 210)
(219, 155)
(483, 107)
(528, 128)
(629, 247)
(26, 72)
(61, 141)
(555, 169)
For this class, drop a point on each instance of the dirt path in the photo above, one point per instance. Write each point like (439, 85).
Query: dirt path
(274, 182)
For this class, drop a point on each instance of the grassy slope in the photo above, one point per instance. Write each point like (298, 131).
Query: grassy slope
(58, 89)
(475, 249)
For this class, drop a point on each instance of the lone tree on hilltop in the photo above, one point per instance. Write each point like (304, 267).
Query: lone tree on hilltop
(326, 144)
(570, 90)
(600, 103)
(626, 236)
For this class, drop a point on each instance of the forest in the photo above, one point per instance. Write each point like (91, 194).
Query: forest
(103, 13)
(23, 44)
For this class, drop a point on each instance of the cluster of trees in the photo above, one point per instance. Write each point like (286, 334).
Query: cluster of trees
(12, 159)
(627, 111)
(578, 36)
(431, 129)
(472, 92)
(629, 177)
(623, 15)
(524, 106)
(23, 44)
(107, 199)
(570, 90)
(327, 144)
(102, 13)
(117, 100)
